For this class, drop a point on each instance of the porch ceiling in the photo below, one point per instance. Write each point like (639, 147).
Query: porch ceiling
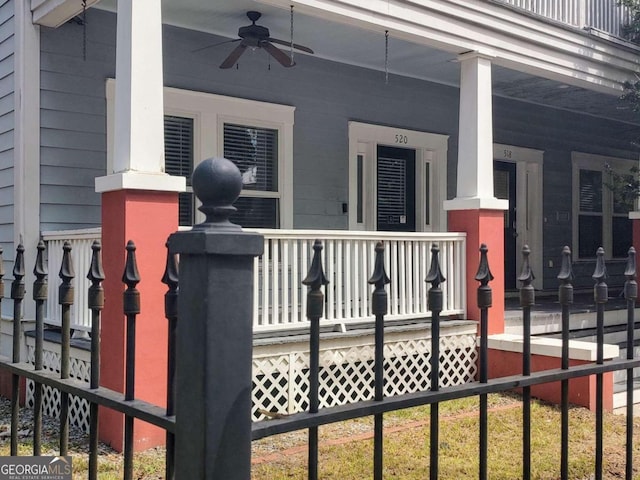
(355, 46)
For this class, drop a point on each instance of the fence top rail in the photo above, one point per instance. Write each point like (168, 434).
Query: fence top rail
(79, 234)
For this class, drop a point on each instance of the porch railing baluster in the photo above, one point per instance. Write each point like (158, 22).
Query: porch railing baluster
(527, 299)
(131, 308)
(17, 295)
(379, 307)
(631, 295)
(95, 302)
(565, 297)
(170, 279)
(65, 299)
(315, 280)
(485, 301)
(600, 296)
(435, 278)
(40, 293)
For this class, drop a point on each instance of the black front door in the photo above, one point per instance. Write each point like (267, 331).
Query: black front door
(504, 187)
(396, 189)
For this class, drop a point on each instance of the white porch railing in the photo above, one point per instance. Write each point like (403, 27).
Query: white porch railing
(279, 296)
(605, 15)
(81, 241)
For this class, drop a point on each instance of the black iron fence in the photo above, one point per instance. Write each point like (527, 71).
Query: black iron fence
(208, 413)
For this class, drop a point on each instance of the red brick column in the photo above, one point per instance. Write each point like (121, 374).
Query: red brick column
(147, 218)
(483, 226)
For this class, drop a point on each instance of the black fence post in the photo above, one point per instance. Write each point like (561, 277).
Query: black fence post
(17, 295)
(485, 301)
(315, 280)
(435, 278)
(65, 299)
(527, 299)
(565, 297)
(40, 291)
(600, 296)
(379, 307)
(214, 334)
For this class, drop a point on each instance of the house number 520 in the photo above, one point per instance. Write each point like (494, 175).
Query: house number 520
(403, 139)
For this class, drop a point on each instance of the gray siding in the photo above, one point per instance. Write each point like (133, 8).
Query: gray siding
(7, 87)
(326, 95)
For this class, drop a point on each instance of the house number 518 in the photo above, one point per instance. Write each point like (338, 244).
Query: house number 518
(402, 139)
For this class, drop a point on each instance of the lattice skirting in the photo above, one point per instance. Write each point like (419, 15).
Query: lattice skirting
(80, 369)
(280, 371)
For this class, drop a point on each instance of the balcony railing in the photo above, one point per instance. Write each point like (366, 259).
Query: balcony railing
(280, 300)
(604, 15)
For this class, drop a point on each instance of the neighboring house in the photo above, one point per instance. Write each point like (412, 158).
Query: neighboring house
(493, 117)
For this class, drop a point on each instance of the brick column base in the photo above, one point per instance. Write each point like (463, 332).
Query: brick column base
(147, 218)
(483, 226)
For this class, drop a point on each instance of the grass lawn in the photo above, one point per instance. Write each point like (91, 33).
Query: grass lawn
(346, 451)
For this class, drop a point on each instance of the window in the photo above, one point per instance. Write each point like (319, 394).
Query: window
(178, 160)
(601, 217)
(256, 136)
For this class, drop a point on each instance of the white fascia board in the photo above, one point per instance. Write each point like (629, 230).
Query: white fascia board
(518, 41)
(53, 13)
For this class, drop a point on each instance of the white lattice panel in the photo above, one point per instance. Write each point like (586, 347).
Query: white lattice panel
(281, 382)
(79, 369)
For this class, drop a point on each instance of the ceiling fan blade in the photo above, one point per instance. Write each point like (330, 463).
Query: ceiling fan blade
(233, 57)
(215, 45)
(279, 55)
(288, 44)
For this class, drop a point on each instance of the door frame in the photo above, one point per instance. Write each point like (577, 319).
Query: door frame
(431, 148)
(529, 214)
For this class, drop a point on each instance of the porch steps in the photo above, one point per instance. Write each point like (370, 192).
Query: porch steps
(615, 335)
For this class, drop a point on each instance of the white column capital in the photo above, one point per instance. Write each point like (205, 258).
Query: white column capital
(483, 54)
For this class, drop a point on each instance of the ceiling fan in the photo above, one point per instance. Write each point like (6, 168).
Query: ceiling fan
(257, 36)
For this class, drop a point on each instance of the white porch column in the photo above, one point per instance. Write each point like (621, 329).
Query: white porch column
(475, 210)
(138, 158)
(475, 137)
(139, 203)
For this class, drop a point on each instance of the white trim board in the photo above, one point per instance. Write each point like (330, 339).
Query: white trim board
(430, 147)
(210, 112)
(529, 189)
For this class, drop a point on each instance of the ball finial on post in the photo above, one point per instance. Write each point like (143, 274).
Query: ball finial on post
(217, 183)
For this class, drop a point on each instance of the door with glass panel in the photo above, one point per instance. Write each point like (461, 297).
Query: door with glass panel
(396, 189)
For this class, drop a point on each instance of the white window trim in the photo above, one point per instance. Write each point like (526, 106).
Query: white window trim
(210, 112)
(529, 167)
(587, 161)
(364, 139)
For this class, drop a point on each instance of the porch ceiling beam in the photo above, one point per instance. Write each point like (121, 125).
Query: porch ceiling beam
(53, 13)
(518, 41)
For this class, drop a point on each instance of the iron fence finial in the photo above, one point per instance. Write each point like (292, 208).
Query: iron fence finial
(484, 276)
(600, 289)
(131, 278)
(527, 293)
(170, 279)
(67, 274)
(565, 291)
(315, 279)
(40, 290)
(435, 276)
(17, 286)
(96, 276)
(631, 286)
(379, 278)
